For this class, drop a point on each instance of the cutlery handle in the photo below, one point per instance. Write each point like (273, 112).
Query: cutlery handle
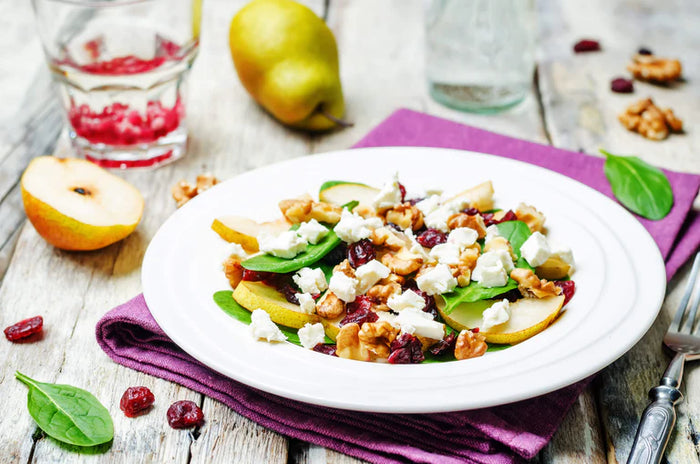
(655, 427)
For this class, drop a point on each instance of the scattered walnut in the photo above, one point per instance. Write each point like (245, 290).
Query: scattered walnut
(530, 216)
(393, 279)
(402, 262)
(383, 236)
(365, 211)
(405, 216)
(233, 271)
(330, 306)
(377, 336)
(645, 118)
(381, 293)
(467, 263)
(345, 267)
(499, 243)
(348, 344)
(654, 68)
(475, 222)
(532, 286)
(470, 345)
(184, 191)
(303, 210)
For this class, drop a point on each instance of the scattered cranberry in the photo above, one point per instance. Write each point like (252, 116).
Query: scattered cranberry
(336, 255)
(489, 220)
(360, 253)
(431, 237)
(406, 349)
(586, 45)
(622, 85)
(445, 345)
(24, 329)
(396, 227)
(325, 349)
(568, 288)
(184, 414)
(475, 330)
(413, 201)
(430, 305)
(289, 293)
(402, 189)
(645, 51)
(471, 211)
(359, 312)
(256, 276)
(135, 400)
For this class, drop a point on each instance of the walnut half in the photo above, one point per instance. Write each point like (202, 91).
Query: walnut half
(348, 344)
(377, 336)
(184, 191)
(532, 286)
(304, 209)
(654, 68)
(470, 345)
(645, 118)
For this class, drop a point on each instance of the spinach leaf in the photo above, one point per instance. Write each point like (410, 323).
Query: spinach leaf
(224, 299)
(474, 292)
(641, 187)
(516, 232)
(68, 414)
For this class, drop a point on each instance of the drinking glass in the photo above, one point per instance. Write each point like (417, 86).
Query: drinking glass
(121, 68)
(479, 53)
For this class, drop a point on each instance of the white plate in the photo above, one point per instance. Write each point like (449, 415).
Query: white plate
(620, 282)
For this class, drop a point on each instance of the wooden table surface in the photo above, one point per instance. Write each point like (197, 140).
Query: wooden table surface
(381, 47)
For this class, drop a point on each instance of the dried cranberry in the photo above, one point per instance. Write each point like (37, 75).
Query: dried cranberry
(445, 345)
(471, 211)
(361, 303)
(325, 349)
(621, 85)
(489, 219)
(359, 312)
(184, 414)
(431, 237)
(394, 226)
(360, 253)
(413, 201)
(644, 51)
(511, 295)
(289, 293)
(402, 189)
(568, 288)
(336, 255)
(475, 330)
(430, 305)
(24, 329)
(256, 276)
(406, 349)
(135, 400)
(586, 45)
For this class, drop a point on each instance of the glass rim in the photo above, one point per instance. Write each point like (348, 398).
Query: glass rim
(96, 3)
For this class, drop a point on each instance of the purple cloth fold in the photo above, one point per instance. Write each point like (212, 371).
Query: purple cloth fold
(500, 435)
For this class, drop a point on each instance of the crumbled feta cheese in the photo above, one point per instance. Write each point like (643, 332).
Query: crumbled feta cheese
(387, 316)
(310, 280)
(491, 233)
(406, 300)
(535, 250)
(312, 231)
(311, 335)
(369, 274)
(353, 227)
(496, 314)
(237, 251)
(564, 253)
(420, 323)
(285, 245)
(306, 302)
(389, 195)
(262, 327)
(343, 287)
(445, 253)
(438, 219)
(493, 268)
(416, 248)
(437, 280)
(429, 204)
(463, 237)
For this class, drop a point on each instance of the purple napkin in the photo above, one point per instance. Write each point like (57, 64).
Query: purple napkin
(500, 435)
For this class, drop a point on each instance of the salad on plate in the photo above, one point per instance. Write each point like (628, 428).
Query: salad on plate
(375, 274)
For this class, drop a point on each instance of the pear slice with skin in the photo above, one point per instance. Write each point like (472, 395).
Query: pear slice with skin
(343, 193)
(244, 231)
(256, 295)
(479, 197)
(332, 326)
(528, 317)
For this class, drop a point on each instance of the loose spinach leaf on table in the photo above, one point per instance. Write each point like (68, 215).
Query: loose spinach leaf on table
(68, 414)
(641, 187)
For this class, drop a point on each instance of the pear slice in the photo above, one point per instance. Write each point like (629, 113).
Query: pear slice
(76, 205)
(528, 317)
(244, 231)
(345, 192)
(256, 295)
(554, 268)
(479, 197)
(332, 326)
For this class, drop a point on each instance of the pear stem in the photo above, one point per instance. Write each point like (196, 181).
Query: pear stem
(340, 122)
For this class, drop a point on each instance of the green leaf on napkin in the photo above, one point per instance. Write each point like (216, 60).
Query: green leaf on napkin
(642, 188)
(68, 414)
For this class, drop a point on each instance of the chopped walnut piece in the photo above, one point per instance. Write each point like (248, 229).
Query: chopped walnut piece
(330, 306)
(475, 222)
(348, 344)
(184, 191)
(383, 236)
(531, 286)
(303, 210)
(405, 216)
(365, 211)
(393, 278)
(345, 267)
(467, 262)
(645, 118)
(499, 243)
(233, 271)
(530, 216)
(382, 292)
(402, 262)
(470, 345)
(654, 68)
(377, 336)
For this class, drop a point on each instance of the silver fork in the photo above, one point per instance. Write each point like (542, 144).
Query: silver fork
(659, 417)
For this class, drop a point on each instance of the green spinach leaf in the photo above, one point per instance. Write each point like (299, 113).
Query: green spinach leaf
(516, 232)
(641, 187)
(68, 414)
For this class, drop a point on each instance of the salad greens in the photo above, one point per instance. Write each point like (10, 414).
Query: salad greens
(68, 414)
(332, 183)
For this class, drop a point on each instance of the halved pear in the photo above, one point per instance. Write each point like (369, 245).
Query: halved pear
(479, 197)
(528, 317)
(345, 192)
(554, 268)
(332, 326)
(256, 295)
(244, 231)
